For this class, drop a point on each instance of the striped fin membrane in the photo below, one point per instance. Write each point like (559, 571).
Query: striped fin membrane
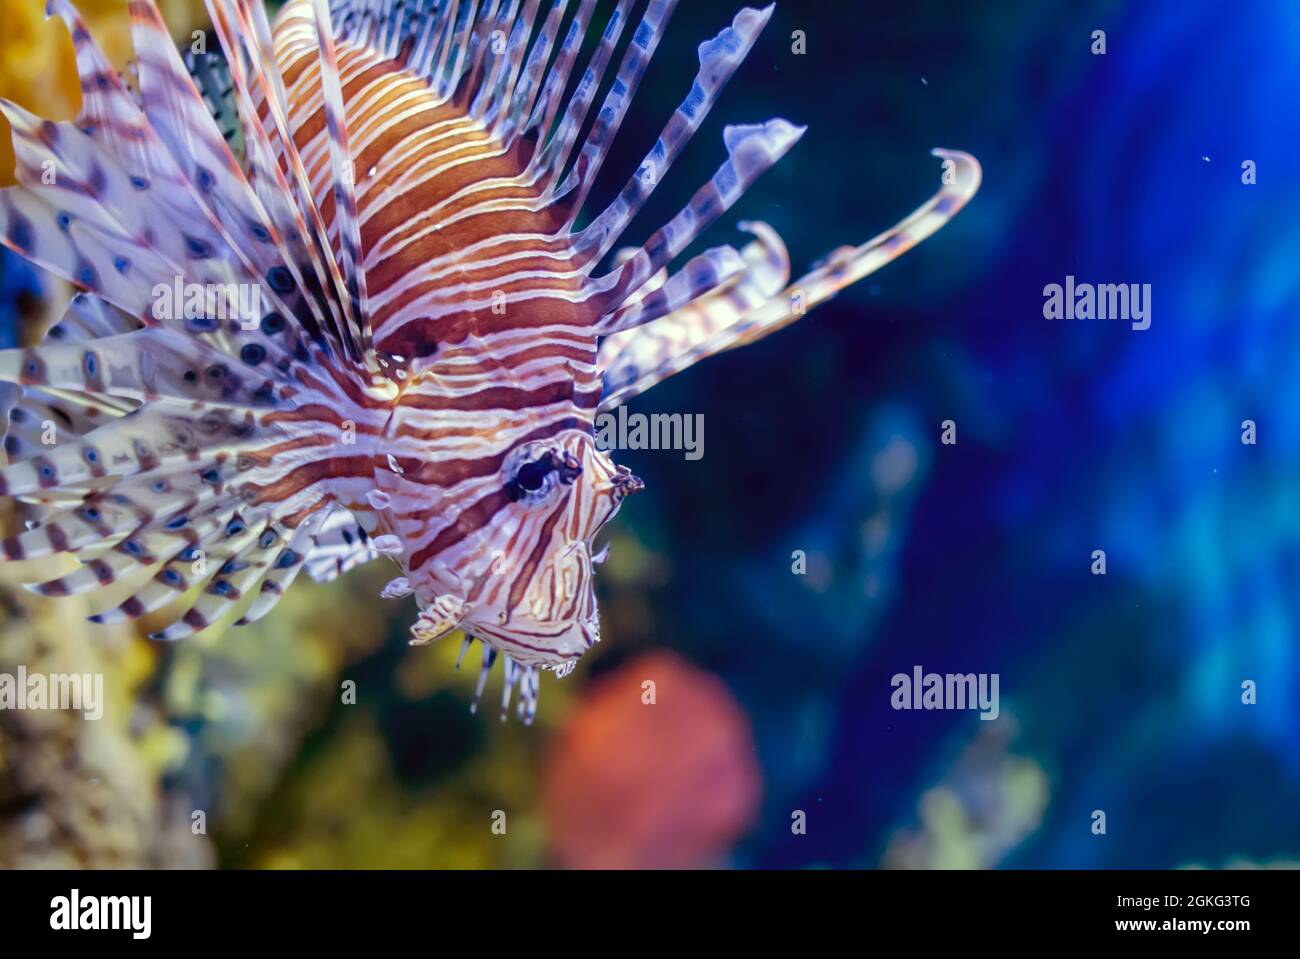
(749, 310)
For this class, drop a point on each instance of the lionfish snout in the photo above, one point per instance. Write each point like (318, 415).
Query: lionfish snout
(626, 484)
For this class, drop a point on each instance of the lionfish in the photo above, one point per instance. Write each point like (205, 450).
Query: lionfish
(398, 182)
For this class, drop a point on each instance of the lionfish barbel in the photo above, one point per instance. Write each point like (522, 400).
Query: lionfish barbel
(398, 182)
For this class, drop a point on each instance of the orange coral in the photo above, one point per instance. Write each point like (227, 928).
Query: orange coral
(671, 784)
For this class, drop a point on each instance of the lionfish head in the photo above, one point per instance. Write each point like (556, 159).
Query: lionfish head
(515, 568)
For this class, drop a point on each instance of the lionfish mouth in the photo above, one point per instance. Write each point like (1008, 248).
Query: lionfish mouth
(523, 677)
(527, 679)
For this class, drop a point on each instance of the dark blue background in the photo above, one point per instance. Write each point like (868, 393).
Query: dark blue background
(1073, 436)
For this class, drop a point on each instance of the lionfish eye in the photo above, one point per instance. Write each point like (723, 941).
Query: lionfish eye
(531, 476)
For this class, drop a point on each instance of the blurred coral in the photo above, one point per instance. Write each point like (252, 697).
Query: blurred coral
(988, 803)
(668, 784)
(88, 793)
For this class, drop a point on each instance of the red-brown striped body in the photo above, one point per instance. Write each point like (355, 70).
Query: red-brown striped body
(468, 273)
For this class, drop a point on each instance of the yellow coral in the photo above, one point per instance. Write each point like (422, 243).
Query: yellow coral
(37, 69)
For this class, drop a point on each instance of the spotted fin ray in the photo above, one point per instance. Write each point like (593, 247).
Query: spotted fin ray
(211, 76)
(173, 429)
